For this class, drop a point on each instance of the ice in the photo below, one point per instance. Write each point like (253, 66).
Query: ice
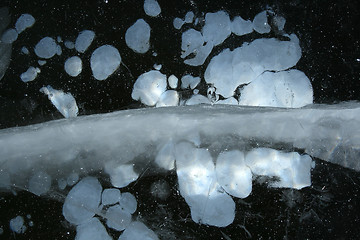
(328, 132)
(121, 175)
(4, 18)
(292, 169)
(30, 74)
(202, 53)
(193, 42)
(41, 62)
(84, 40)
(58, 50)
(241, 27)
(217, 27)
(5, 55)
(168, 98)
(230, 69)
(165, 157)
(110, 196)
(73, 66)
(23, 22)
(137, 36)
(149, 87)
(197, 99)
(189, 17)
(59, 39)
(233, 175)
(104, 61)
(229, 101)
(157, 67)
(68, 44)
(9, 36)
(17, 225)
(173, 81)
(128, 202)
(4, 180)
(152, 8)
(40, 183)
(198, 186)
(189, 81)
(92, 230)
(25, 50)
(72, 179)
(291, 89)
(117, 218)
(160, 189)
(46, 48)
(279, 22)
(178, 23)
(64, 102)
(62, 183)
(83, 200)
(138, 230)
(260, 23)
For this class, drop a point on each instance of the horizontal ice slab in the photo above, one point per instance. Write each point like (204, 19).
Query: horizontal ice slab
(329, 132)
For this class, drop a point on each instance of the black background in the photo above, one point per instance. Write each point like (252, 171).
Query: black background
(329, 36)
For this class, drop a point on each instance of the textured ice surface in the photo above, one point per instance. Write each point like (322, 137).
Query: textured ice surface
(84, 40)
(17, 224)
(83, 201)
(292, 169)
(291, 89)
(168, 98)
(40, 183)
(149, 87)
(138, 230)
(92, 230)
(64, 102)
(30, 74)
(323, 131)
(137, 36)
(104, 61)
(23, 22)
(152, 8)
(73, 66)
(9, 36)
(46, 48)
(230, 69)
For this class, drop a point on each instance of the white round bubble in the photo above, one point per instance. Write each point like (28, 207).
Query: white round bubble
(73, 66)
(104, 61)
